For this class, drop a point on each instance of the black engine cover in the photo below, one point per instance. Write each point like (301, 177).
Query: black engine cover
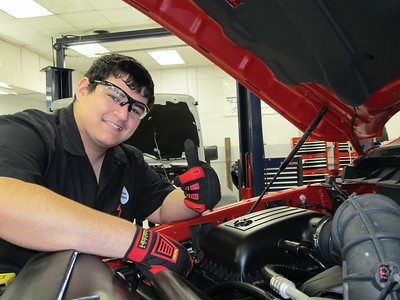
(238, 249)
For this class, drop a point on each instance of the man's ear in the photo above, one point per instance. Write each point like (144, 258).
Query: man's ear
(82, 87)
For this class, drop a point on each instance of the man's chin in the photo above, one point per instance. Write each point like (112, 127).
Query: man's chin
(109, 143)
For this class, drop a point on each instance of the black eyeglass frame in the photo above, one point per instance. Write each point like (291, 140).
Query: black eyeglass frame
(130, 101)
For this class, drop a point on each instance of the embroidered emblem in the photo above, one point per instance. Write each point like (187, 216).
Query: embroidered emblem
(124, 196)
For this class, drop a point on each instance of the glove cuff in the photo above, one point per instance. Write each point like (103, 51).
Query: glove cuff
(140, 245)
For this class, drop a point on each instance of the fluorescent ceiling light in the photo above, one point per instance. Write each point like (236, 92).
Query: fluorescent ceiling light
(5, 89)
(4, 85)
(167, 57)
(2, 92)
(23, 8)
(90, 50)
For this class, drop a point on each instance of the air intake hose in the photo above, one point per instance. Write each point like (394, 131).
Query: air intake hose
(364, 235)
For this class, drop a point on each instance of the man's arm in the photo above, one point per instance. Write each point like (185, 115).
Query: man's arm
(173, 209)
(34, 217)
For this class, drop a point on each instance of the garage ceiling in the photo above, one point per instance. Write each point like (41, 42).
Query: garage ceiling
(85, 17)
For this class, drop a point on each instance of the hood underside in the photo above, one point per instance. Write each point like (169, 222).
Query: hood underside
(300, 56)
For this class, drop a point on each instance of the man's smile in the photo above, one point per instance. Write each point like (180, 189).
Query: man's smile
(119, 128)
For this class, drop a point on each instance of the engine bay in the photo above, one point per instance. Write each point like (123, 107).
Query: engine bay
(333, 240)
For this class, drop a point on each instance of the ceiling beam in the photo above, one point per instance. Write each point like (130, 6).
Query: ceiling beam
(63, 43)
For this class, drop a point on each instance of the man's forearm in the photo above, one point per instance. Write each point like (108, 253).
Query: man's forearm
(173, 209)
(34, 217)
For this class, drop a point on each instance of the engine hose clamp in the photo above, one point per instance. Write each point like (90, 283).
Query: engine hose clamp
(318, 229)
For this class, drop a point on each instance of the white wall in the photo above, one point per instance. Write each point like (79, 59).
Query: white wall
(22, 68)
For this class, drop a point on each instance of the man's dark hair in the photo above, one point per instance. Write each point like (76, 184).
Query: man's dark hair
(118, 65)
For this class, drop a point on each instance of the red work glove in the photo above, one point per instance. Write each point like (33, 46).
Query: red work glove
(200, 183)
(153, 252)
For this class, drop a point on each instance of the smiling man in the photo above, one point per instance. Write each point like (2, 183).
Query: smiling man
(67, 181)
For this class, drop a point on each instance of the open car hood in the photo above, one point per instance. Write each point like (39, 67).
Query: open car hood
(300, 56)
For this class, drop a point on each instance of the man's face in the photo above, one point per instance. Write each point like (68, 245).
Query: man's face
(102, 122)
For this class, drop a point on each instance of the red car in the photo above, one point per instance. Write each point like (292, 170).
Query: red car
(332, 68)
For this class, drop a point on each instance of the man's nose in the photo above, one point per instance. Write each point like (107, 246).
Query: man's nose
(122, 112)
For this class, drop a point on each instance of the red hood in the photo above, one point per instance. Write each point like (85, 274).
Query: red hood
(300, 56)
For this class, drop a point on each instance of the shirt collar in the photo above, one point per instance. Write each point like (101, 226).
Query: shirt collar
(69, 131)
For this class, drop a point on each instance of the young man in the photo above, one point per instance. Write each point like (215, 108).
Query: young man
(68, 182)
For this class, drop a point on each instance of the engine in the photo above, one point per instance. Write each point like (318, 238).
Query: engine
(296, 253)
(330, 240)
(236, 249)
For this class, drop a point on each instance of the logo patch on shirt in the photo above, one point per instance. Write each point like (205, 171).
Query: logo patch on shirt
(124, 196)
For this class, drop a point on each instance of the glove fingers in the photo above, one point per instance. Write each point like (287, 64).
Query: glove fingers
(192, 159)
(191, 154)
(145, 273)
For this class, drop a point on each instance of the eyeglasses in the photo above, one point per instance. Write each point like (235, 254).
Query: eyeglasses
(137, 109)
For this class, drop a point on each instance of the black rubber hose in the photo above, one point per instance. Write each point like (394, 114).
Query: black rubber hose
(267, 272)
(364, 235)
(387, 289)
(308, 253)
(170, 286)
(300, 250)
(244, 287)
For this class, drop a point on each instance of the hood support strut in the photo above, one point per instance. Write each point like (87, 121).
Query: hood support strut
(292, 153)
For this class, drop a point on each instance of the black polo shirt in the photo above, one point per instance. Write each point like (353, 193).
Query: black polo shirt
(46, 149)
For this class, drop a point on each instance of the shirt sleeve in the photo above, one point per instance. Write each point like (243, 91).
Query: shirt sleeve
(22, 151)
